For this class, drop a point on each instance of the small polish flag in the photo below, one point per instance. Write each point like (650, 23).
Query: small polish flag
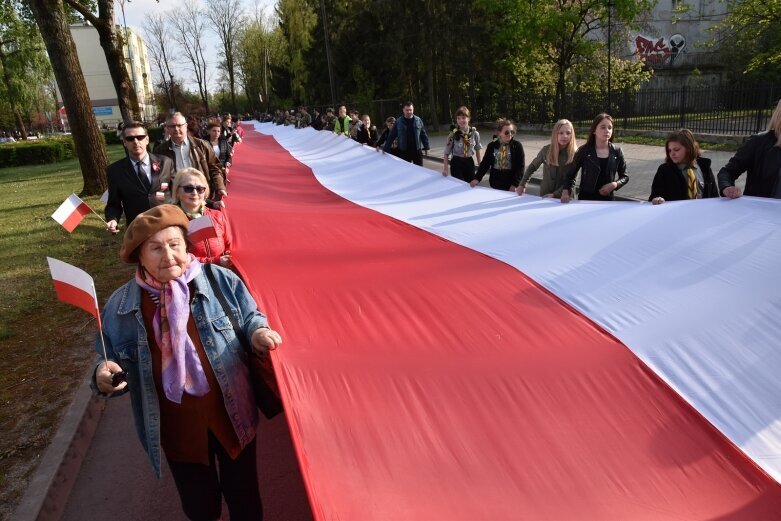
(201, 229)
(71, 212)
(104, 197)
(74, 286)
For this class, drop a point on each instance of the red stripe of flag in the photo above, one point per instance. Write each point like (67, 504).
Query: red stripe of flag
(74, 286)
(201, 229)
(425, 380)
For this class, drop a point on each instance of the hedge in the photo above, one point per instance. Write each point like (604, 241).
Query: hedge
(39, 152)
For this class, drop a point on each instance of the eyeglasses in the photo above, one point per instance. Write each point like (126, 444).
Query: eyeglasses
(509, 132)
(176, 125)
(130, 139)
(190, 189)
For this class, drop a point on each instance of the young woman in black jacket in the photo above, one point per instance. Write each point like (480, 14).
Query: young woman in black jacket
(760, 158)
(601, 162)
(685, 175)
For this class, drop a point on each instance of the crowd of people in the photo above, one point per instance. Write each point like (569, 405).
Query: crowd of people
(598, 165)
(166, 331)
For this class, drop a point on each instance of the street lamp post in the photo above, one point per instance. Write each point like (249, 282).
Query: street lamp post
(127, 43)
(609, 65)
(328, 53)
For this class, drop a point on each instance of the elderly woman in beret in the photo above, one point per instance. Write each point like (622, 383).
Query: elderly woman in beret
(186, 372)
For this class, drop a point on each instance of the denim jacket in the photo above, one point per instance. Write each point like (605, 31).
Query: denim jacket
(399, 133)
(126, 344)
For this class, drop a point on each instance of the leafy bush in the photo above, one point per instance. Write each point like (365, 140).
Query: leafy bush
(42, 151)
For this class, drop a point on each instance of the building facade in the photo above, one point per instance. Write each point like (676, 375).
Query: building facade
(101, 90)
(673, 42)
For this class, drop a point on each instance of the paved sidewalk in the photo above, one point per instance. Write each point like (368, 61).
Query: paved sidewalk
(642, 161)
(116, 481)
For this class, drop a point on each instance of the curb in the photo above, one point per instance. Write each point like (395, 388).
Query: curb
(51, 484)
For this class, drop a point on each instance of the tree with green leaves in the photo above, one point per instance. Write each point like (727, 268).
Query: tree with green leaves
(23, 63)
(750, 39)
(296, 21)
(259, 44)
(88, 143)
(545, 39)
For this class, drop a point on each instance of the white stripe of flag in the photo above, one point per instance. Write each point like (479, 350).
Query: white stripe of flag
(74, 286)
(201, 229)
(71, 212)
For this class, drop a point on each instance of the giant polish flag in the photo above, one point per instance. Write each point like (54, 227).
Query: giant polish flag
(454, 353)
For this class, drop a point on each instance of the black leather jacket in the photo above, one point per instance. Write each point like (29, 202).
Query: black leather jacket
(761, 159)
(587, 160)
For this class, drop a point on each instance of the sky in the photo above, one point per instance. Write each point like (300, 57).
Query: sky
(136, 10)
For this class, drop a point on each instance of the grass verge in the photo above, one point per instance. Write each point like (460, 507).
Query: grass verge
(46, 345)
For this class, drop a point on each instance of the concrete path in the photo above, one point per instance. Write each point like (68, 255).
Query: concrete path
(642, 161)
(116, 481)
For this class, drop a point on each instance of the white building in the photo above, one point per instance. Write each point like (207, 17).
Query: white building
(101, 90)
(674, 43)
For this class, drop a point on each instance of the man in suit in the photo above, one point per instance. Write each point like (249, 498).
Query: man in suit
(186, 151)
(134, 182)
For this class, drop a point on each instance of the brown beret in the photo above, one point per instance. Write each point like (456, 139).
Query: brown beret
(149, 223)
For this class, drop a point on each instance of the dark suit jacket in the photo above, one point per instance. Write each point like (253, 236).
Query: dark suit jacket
(126, 193)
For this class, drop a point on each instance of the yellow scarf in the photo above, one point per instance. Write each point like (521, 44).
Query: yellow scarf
(692, 183)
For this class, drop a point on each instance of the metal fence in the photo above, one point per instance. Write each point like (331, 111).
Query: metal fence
(730, 110)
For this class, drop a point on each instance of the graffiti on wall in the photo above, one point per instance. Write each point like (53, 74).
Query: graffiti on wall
(659, 51)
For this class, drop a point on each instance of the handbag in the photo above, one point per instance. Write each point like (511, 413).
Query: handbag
(261, 371)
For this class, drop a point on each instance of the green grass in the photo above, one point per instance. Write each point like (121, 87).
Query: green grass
(46, 345)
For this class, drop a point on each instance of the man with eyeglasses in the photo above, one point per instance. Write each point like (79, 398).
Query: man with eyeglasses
(137, 182)
(187, 151)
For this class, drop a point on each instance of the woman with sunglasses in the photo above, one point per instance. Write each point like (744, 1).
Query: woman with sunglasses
(504, 158)
(602, 164)
(190, 191)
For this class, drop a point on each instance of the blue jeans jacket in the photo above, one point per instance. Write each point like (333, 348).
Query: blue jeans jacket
(126, 344)
(399, 133)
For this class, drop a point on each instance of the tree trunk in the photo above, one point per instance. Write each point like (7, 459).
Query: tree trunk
(115, 58)
(87, 140)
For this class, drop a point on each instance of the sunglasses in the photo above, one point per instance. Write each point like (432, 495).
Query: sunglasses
(130, 139)
(190, 189)
(509, 132)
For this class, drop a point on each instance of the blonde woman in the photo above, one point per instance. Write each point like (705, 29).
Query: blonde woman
(760, 158)
(189, 192)
(555, 159)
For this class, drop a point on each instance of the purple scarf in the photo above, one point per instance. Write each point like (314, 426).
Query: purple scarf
(181, 368)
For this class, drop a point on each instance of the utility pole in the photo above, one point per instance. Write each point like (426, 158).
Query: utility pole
(609, 52)
(328, 53)
(129, 49)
